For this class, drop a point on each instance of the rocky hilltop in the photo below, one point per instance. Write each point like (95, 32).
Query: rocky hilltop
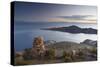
(89, 42)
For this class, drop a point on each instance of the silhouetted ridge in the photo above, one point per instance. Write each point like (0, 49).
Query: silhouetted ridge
(74, 29)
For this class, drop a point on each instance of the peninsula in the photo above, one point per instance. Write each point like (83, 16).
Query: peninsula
(73, 29)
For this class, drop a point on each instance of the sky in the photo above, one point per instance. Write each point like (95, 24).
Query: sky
(43, 12)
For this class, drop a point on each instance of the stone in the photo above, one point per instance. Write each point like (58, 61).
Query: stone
(38, 46)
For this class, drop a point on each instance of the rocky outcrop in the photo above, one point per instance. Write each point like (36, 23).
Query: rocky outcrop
(38, 46)
(89, 42)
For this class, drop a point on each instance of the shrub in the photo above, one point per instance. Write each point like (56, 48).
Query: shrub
(27, 55)
(67, 56)
(64, 54)
(50, 54)
(67, 59)
(80, 53)
(93, 50)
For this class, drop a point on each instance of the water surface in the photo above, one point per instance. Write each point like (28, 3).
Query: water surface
(24, 33)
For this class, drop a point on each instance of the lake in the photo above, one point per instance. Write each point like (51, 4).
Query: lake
(24, 33)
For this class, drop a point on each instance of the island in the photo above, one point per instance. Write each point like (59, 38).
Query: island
(73, 29)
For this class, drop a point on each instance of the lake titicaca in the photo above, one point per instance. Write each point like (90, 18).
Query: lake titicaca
(24, 33)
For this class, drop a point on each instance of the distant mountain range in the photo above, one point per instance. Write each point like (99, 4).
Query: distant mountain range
(73, 29)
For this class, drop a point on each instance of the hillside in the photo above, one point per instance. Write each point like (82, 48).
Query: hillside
(59, 52)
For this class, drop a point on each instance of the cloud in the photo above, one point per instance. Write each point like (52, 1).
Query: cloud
(78, 17)
(74, 18)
